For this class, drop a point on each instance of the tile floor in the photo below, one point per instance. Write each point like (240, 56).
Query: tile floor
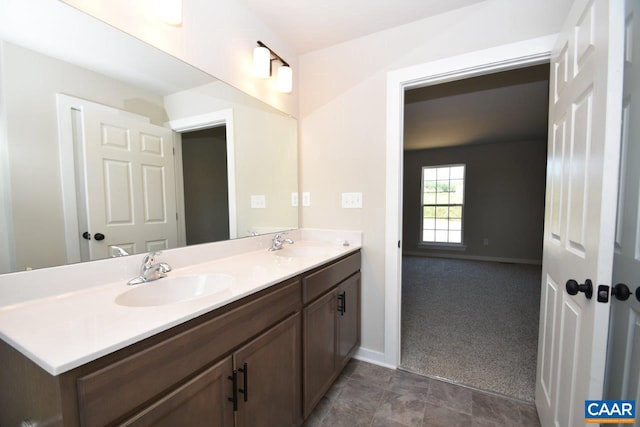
(373, 396)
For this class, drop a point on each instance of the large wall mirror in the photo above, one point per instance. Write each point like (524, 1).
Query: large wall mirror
(125, 149)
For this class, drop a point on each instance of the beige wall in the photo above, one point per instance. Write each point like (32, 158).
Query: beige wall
(343, 118)
(503, 199)
(265, 148)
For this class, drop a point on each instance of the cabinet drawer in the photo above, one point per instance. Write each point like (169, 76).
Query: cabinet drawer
(112, 392)
(322, 280)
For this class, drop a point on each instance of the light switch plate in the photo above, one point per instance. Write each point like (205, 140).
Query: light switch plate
(352, 200)
(294, 199)
(306, 198)
(258, 201)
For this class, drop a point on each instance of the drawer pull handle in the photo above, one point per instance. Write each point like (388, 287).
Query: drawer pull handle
(234, 399)
(245, 377)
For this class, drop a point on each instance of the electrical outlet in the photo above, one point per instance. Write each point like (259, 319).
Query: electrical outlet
(258, 201)
(294, 199)
(306, 198)
(352, 200)
(486, 241)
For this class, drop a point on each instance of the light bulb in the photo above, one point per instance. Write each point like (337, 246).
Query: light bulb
(261, 62)
(284, 82)
(170, 11)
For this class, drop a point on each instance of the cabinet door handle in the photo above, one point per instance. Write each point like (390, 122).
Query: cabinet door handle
(342, 306)
(245, 377)
(344, 302)
(234, 399)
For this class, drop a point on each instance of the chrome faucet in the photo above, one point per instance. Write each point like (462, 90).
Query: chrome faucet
(150, 271)
(117, 251)
(278, 240)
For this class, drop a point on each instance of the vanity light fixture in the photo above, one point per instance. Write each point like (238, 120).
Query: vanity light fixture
(263, 58)
(284, 82)
(169, 11)
(261, 62)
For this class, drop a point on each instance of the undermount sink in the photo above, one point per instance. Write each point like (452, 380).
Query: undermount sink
(305, 251)
(170, 290)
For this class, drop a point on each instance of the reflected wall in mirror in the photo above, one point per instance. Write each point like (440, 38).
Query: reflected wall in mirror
(57, 116)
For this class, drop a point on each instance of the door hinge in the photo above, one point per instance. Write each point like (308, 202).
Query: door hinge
(399, 243)
(174, 150)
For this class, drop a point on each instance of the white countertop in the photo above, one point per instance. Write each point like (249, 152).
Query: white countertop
(63, 331)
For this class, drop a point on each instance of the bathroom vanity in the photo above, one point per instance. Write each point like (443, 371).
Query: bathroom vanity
(265, 358)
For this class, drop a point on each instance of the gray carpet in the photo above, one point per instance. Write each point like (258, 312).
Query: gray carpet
(472, 322)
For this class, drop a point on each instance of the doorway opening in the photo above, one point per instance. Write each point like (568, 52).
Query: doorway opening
(210, 138)
(206, 185)
(472, 249)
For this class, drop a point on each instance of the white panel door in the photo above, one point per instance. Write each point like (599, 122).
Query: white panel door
(129, 183)
(623, 362)
(584, 123)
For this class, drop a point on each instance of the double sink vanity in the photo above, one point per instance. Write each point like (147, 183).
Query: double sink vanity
(235, 334)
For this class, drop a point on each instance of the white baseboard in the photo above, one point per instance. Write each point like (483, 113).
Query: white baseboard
(372, 356)
(475, 258)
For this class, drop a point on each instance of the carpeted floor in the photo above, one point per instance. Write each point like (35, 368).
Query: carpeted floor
(472, 322)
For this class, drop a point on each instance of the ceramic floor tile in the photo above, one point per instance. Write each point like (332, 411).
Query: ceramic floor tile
(371, 396)
(337, 387)
(318, 414)
(450, 395)
(382, 422)
(376, 375)
(496, 409)
(441, 416)
(361, 394)
(406, 409)
(408, 383)
(480, 422)
(343, 414)
(529, 415)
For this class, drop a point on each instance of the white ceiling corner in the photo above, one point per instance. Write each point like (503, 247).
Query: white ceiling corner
(308, 25)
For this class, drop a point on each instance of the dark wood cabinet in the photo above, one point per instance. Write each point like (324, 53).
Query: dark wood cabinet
(269, 377)
(284, 345)
(348, 319)
(202, 401)
(331, 326)
(267, 387)
(319, 349)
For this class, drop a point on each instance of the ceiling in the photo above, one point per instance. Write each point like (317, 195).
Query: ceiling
(507, 106)
(308, 25)
(501, 107)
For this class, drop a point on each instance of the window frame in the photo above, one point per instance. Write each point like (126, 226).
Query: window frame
(448, 245)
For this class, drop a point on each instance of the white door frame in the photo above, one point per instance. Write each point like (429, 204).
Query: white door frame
(7, 244)
(516, 55)
(204, 121)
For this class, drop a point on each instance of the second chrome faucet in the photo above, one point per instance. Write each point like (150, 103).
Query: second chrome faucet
(278, 241)
(150, 271)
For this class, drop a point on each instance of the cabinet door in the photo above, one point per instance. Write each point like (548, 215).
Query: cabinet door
(319, 349)
(203, 401)
(348, 319)
(269, 377)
